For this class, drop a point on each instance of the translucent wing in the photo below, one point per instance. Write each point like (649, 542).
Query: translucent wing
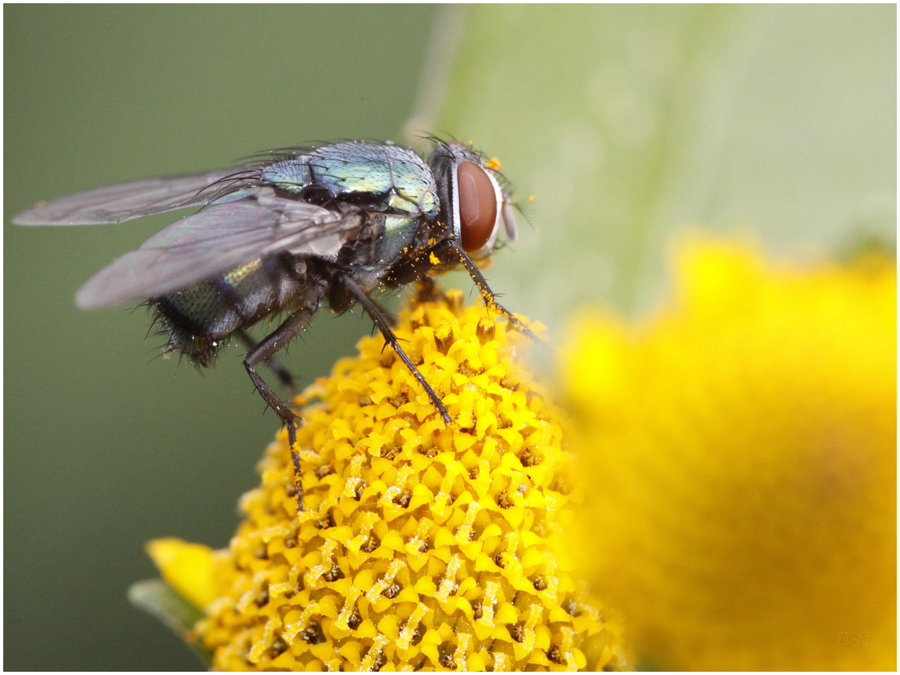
(216, 239)
(118, 203)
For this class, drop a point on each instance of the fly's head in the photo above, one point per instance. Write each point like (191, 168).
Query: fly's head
(474, 203)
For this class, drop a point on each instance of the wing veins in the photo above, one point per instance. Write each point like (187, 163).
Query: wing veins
(257, 229)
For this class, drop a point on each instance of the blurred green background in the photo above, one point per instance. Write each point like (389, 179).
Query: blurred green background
(628, 124)
(107, 445)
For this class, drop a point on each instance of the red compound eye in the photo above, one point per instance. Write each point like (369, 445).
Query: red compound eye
(477, 205)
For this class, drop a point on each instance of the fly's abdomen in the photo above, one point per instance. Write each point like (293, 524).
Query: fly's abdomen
(199, 318)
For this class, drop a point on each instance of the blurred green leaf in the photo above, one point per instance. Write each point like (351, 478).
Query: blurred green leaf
(630, 123)
(158, 599)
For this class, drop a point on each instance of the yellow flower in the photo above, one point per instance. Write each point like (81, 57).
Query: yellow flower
(423, 545)
(740, 448)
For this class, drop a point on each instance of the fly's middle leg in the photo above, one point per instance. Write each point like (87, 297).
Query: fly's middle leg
(263, 352)
(373, 311)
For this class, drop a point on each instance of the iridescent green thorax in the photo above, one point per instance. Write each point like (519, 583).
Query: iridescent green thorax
(389, 176)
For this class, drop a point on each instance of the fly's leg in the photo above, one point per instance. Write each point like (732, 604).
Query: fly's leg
(263, 352)
(372, 310)
(452, 248)
(282, 373)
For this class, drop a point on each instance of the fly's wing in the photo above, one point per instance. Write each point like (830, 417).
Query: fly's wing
(215, 240)
(118, 203)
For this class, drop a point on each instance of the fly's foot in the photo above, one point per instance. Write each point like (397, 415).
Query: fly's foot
(517, 324)
(292, 423)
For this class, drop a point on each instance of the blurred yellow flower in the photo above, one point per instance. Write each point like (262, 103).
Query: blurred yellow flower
(187, 569)
(422, 545)
(740, 450)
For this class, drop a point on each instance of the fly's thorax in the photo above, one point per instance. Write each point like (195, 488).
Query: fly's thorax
(396, 239)
(199, 318)
(376, 177)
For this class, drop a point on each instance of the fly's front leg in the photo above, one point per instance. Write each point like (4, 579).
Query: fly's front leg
(264, 351)
(372, 310)
(453, 249)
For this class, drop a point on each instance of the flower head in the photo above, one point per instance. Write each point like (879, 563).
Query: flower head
(422, 545)
(741, 453)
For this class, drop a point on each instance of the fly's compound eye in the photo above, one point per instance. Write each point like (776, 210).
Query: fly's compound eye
(479, 199)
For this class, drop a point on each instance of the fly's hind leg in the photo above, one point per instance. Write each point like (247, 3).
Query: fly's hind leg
(282, 373)
(263, 352)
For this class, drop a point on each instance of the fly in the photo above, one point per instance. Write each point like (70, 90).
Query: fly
(287, 231)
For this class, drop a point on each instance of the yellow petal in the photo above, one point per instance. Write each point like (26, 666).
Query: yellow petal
(187, 568)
